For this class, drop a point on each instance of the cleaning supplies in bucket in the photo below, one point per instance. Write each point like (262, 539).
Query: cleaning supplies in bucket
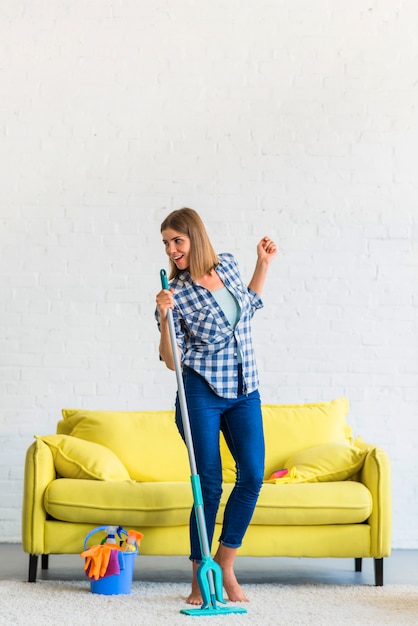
(110, 565)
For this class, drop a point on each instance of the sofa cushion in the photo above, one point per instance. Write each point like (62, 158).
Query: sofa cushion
(326, 462)
(289, 428)
(147, 442)
(310, 504)
(75, 458)
(169, 504)
(132, 504)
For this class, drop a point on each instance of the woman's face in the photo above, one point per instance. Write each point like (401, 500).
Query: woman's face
(177, 247)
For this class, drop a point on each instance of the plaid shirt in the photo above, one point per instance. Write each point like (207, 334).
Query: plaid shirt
(207, 340)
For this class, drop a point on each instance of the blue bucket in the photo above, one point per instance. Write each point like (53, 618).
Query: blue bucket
(116, 583)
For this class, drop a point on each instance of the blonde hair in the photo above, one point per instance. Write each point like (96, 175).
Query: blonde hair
(203, 257)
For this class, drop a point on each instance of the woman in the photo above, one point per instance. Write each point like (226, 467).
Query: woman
(212, 310)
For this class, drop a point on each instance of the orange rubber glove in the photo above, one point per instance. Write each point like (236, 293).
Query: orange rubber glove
(97, 560)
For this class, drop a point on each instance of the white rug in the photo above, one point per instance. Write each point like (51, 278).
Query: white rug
(151, 604)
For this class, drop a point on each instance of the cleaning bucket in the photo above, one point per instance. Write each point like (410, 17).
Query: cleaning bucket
(119, 583)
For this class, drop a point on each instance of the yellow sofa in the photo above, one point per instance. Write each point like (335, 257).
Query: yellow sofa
(131, 469)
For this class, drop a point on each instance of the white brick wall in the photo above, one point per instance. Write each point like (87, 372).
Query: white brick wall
(297, 119)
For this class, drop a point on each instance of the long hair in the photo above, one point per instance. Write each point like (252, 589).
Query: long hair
(203, 257)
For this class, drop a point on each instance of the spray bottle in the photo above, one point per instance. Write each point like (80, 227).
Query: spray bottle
(111, 532)
(133, 540)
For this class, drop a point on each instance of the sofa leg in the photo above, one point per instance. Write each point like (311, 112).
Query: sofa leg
(45, 561)
(33, 566)
(357, 565)
(378, 572)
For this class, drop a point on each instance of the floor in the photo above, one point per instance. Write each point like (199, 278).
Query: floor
(400, 568)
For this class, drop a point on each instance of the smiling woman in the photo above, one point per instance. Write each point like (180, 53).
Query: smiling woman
(187, 244)
(219, 374)
(177, 247)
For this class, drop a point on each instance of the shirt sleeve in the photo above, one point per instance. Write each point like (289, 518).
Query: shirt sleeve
(177, 326)
(255, 299)
(179, 330)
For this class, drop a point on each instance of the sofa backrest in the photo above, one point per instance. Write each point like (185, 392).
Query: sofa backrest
(290, 428)
(151, 449)
(147, 442)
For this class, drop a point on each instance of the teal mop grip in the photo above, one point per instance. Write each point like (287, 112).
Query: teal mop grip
(164, 279)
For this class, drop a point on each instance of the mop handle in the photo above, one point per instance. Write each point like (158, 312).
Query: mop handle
(195, 478)
(180, 385)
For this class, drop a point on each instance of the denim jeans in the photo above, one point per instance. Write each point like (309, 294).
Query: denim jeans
(240, 421)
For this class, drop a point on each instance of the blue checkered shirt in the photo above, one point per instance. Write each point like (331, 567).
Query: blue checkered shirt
(208, 343)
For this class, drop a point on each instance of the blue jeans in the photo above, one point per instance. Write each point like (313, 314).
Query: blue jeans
(240, 421)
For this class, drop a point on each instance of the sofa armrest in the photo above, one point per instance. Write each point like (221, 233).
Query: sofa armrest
(376, 476)
(39, 472)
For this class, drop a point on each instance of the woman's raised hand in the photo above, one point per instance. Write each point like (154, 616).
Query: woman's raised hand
(266, 249)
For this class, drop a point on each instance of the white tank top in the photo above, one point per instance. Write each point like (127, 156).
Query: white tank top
(230, 307)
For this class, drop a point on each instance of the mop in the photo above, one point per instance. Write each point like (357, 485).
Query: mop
(209, 573)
